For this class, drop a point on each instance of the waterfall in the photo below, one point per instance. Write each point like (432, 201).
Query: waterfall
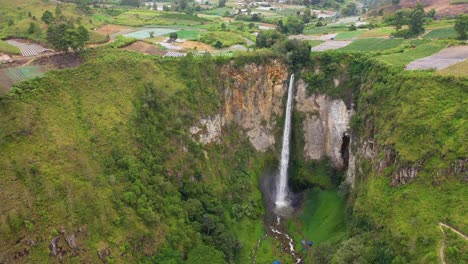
(282, 182)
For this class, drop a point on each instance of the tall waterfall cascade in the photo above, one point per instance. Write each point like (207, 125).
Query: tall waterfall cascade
(282, 181)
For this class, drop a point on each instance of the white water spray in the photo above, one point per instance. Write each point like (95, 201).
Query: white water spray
(282, 183)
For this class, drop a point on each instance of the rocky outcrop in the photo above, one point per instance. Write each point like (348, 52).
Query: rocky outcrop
(209, 129)
(252, 97)
(325, 126)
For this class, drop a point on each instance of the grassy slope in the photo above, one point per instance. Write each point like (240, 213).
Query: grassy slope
(415, 210)
(60, 141)
(226, 38)
(8, 49)
(456, 247)
(442, 33)
(460, 69)
(420, 51)
(67, 152)
(348, 35)
(421, 117)
(372, 44)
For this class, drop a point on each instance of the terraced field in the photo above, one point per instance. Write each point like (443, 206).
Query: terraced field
(27, 49)
(10, 76)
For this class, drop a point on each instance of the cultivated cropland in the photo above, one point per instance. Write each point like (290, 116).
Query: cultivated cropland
(234, 131)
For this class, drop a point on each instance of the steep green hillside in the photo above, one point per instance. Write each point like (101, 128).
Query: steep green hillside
(414, 121)
(98, 163)
(106, 156)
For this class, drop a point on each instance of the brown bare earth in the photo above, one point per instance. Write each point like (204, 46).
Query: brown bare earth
(190, 45)
(442, 7)
(144, 47)
(110, 29)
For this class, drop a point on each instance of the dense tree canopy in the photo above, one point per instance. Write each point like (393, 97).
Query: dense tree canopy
(64, 36)
(461, 26)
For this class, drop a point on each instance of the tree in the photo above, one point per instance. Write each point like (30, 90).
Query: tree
(173, 36)
(395, 2)
(58, 11)
(33, 28)
(151, 34)
(416, 21)
(47, 17)
(399, 19)
(222, 3)
(218, 44)
(65, 36)
(461, 26)
(205, 254)
(268, 38)
(352, 28)
(431, 13)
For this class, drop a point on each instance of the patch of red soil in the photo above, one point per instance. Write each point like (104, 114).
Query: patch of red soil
(144, 47)
(111, 29)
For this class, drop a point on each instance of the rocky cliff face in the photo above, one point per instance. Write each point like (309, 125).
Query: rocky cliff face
(252, 98)
(325, 126)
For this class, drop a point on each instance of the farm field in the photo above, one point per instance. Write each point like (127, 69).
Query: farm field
(226, 38)
(440, 60)
(349, 35)
(420, 51)
(373, 44)
(187, 34)
(377, 32)
(18, 74)
(7, 48)
(145, 33)
(460, 69)
(442, 33)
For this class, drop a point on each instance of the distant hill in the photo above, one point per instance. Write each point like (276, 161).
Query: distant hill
(442, 7)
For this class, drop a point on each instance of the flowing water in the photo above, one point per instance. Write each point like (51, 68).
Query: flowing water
(282, 183)
(279, 201)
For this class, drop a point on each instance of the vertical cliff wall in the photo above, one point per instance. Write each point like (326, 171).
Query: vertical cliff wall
(252, 98)
(325, 126)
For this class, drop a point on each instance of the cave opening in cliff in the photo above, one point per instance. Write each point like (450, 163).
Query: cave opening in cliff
(345, 150)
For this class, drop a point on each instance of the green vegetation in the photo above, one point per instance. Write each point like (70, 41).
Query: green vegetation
(19, 74)
(409, 55)
(456, 247)
(188, 34)
(225, 38)
(460, 69)
(108, 150)
(348, 35)
(7, 48)
(406, 110)
(461, 26)
(442, 33)
(66, 36)
(323, 217)
(313, 43)
(372, 44)
(458, 2)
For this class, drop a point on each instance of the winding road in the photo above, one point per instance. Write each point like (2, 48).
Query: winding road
(442, 247)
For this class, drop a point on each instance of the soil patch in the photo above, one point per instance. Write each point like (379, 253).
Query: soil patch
(331, 45)
(190, 45)
(111, 29)
(146, 48)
